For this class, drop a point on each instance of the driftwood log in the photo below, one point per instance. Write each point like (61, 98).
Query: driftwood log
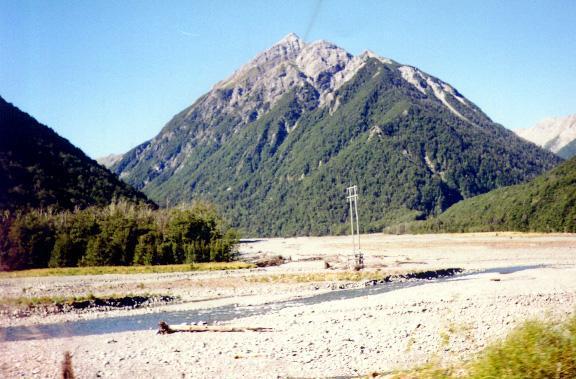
(164, 328)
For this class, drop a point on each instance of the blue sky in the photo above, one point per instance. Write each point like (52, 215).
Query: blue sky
(108, 75)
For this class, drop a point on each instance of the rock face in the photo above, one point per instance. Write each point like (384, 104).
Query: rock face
(276, 144)
(109, 160)
(557, 134)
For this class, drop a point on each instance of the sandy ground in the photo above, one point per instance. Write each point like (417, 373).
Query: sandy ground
(520, 276)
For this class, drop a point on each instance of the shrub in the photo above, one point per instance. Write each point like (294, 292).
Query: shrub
(535, 350)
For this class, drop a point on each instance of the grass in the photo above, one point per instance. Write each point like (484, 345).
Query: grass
(101, 270)
(27, 301)
(537, 349)
(454, 330)
(444, 339)
(428, 371)
(349, 276)
(410, 344)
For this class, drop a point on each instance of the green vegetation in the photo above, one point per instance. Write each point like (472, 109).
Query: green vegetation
(538, 350)
(120, 234)
(284, 172)
(79, 301)
(103, 270)
(545, 204)
(40, 169)
(351, 276)
(26, 301)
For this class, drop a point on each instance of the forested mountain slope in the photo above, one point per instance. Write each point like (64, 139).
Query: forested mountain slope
(40, 169)
(276, 144)
(546, 204)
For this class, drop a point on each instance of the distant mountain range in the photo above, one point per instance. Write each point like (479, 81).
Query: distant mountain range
(545, 204)
(276, 144)
(40, 169)
(557, 134)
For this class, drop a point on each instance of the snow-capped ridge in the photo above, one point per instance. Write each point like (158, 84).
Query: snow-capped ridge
(552, 133)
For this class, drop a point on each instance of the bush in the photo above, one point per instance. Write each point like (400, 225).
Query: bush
(30, 240)
(64, 252)
(535, 350)
(145, 252)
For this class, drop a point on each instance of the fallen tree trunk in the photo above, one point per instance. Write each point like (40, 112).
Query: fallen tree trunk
(164, 328)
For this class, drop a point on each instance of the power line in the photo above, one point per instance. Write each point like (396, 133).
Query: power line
(352, 197)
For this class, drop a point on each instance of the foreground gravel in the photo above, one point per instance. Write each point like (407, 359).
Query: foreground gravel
(441, 321)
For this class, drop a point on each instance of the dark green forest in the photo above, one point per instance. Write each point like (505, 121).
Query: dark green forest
(545, 204)
(59, 208)
(118, 234)
(40, 169)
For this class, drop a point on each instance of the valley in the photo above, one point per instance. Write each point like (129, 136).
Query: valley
(211, 239)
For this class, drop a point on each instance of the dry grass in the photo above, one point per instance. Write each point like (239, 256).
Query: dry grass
(102, 270)
(348, 276)
(537, 349)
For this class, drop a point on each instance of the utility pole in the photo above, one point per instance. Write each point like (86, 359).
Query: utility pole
(352, 197)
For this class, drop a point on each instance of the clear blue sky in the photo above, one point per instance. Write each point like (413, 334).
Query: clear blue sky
(108, 75)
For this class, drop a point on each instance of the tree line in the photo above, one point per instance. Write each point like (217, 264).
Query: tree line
(119, 234)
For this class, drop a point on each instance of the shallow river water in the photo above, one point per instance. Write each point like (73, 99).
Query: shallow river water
(150, 321)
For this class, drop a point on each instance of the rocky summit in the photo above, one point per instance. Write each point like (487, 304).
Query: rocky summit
(276, 144)
(557, 134)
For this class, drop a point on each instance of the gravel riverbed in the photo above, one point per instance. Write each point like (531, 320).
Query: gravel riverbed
(510, 278)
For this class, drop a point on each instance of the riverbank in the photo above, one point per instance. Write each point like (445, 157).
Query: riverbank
(521, 276)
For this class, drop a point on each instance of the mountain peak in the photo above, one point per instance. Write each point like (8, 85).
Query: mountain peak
(282, 51)
(323, 42)
(290, 38)
(370, 54)
(552, 133)
(291, 43)
(292, 63)
(321, 58)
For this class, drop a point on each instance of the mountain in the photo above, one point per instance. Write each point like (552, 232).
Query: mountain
(545, 204)
(557, 134)
(568, 150)
(276, 144)
(109, 160)
(38, 168)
